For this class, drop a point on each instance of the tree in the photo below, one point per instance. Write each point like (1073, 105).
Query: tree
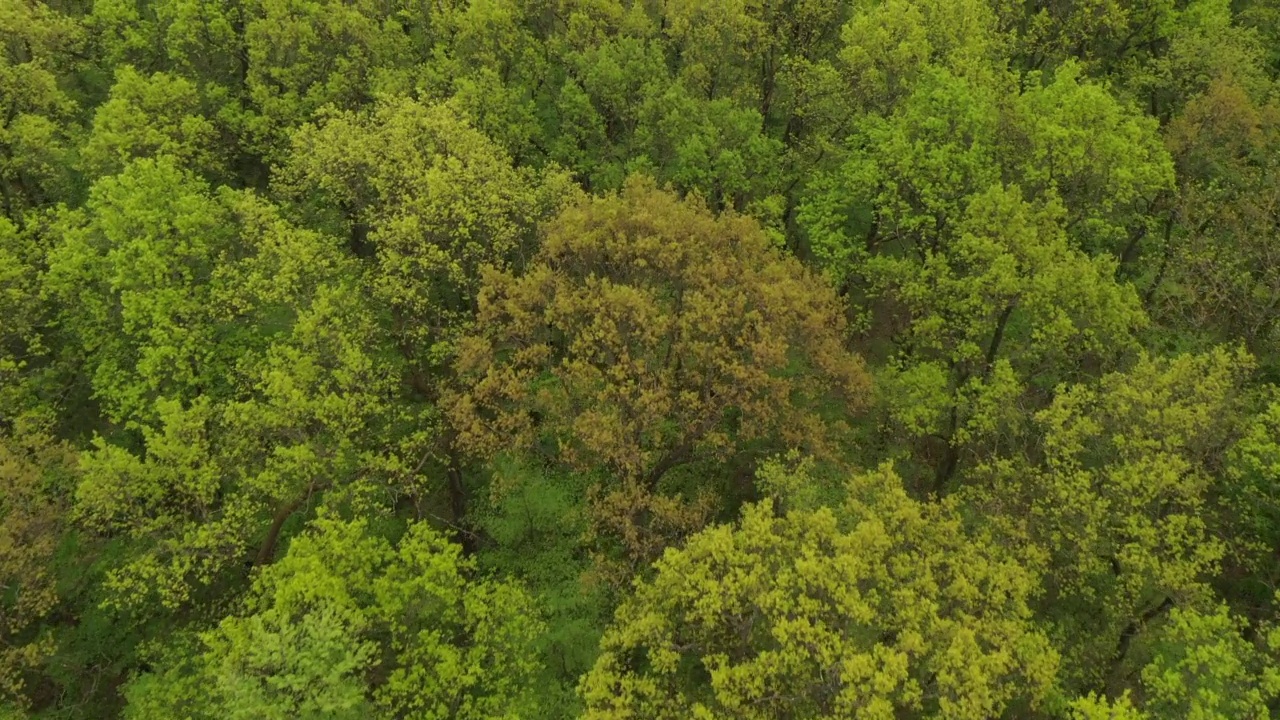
(621, 110)
(888, 609)
(596, 129)
(532, 520)
(433, 201)
(732, 100)
(145, 274)
(238, 367)
(24, 347)
(213, 484)
(148, 116)
(1249, 512)
(1005, 307)
(199, 40)
(35, 471)
(771, 57)
(1122, 505)
(1215, 279)
(349, 624)
(38, 129)
(970, 231)
(1201, 667)
(1107, 34)
(184, 89)
(955, 136)
(494, 61)
(303, 56)
(886, 46)
(645, 336)
(1204, 668)
(1097, 153)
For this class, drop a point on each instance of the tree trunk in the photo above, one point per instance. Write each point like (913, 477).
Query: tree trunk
(266, 553)
(458, 504)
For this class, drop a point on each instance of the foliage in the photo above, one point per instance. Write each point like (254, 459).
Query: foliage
(348, 624)
(888, 610)
(647, 335)
(432, 198)
(1121, 507)
(534, 358)
(143, 117)
(34, 474)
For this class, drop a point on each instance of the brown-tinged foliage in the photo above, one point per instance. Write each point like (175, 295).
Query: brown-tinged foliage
(648, 334)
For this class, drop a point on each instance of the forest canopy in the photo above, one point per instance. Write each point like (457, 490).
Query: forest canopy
(649, 359)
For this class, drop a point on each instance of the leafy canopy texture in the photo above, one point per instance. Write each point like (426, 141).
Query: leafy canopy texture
(349, 625)
(648, 334)
(883, 608)
(541, 359)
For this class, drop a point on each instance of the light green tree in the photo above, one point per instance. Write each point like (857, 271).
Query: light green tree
(1123, 504)
(149, 116)
(39, 128)
(885, 609)
(977, 212)
(349, 625)
(1202, 667)
(239, 368)
(432, 200)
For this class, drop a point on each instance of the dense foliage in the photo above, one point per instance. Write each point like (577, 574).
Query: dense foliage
(640, 359)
